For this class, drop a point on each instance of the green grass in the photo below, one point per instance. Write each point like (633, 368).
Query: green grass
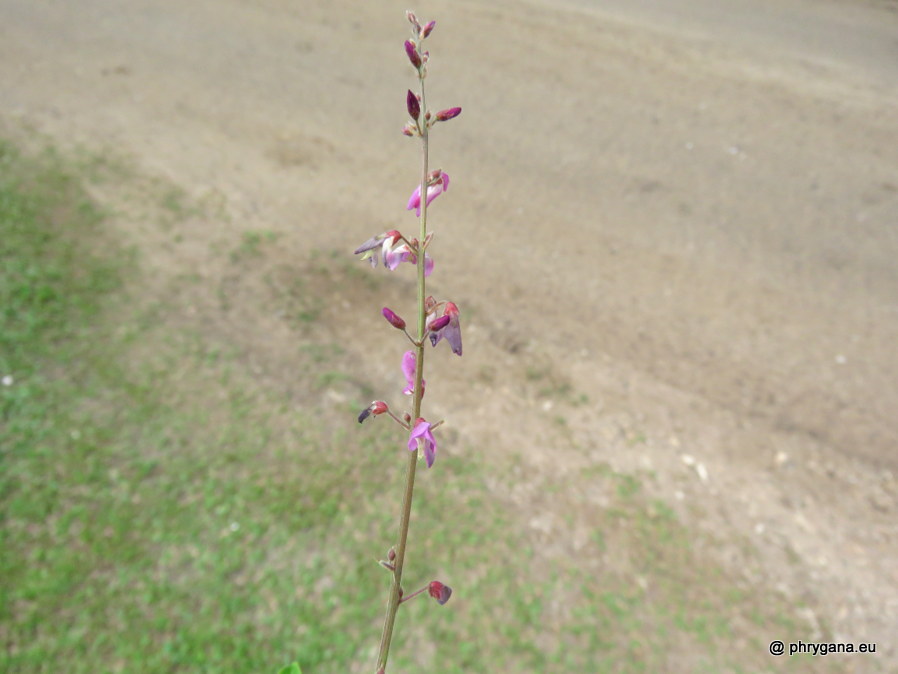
(164, 511)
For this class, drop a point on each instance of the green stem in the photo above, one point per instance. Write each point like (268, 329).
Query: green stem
(394, 596)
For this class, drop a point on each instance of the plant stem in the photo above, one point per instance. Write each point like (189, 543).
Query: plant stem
(394, 597)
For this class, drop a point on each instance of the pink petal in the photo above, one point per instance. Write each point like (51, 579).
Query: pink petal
(408, 369)
(414, 201)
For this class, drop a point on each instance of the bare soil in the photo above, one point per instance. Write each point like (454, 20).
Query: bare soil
(671, 230)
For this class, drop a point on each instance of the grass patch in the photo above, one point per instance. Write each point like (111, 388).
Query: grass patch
(165, 511)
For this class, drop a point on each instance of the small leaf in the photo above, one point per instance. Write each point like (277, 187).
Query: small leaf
(291, 669)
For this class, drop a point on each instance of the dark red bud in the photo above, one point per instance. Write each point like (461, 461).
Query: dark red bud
(445, 115)
(428, 29)
(439, 592)
(391, 555)
(412, 53)
(407, 417)
(413, 105)
(412, 19)
(440, 323)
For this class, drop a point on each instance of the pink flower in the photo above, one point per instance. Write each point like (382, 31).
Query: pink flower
(409, 362)
(435, 188)
(421, 432)
(386, 242)
(450, 329)
(393, 258)
(393, 251)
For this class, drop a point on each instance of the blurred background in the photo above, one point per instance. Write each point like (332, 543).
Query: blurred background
(671, 232)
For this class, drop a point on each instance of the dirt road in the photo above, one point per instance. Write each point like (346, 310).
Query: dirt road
(690, 214)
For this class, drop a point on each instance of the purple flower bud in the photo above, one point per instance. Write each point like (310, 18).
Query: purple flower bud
(428, 29)
(412, 19)
(439, 592)
(393, 319)
(446, 115)
(412, 51)
(413, 105)
(440, 323)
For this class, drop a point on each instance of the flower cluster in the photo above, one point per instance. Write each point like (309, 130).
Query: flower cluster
(437, 320)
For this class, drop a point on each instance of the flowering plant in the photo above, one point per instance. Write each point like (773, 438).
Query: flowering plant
(435, 320)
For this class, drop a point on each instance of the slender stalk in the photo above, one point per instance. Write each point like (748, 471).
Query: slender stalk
(394, 596)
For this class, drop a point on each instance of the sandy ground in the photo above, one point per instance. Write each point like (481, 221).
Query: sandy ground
(685, 213)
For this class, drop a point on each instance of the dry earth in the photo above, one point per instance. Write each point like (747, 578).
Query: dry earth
(685, 214)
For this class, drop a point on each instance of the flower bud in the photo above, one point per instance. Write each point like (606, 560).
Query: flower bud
(412, 53)
(412, 19)
(428, 29)
(393, 319)
(439, 592)
(409, 129)
(440, 323)
(446, 115)
(413, 105)
(391, 555)
(375, 408)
